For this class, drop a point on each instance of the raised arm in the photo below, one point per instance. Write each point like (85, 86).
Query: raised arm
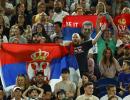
(103, 27)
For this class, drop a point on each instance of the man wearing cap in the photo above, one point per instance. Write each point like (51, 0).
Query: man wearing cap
(17, 93)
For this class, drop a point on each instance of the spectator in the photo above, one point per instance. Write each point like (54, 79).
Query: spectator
(17, 93)
(120, 49)
(43, 19)
(22, 82)
(82, 82)
(78, 10)
(59, 14)
(20, 10)
(61, 95)
(111, 91)
(40, 9)
(81, 49)
(42, 83)
(40, 31)
(93, 71)
(3, 36)
(126, 55)
(21, 23)
(58, 39)
(57, 30)
(6, 19)
(124, 76)
(88, 88)
(8, 8)
(100, 8)
(17, 35)
(33, 92)
(68, 86)
(109, 66)
(106, 40)
(28, 34)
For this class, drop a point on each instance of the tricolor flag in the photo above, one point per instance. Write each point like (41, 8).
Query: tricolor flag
(28, 58)
(73, 24)
(122, 22)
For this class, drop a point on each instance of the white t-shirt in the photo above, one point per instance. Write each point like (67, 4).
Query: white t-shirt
(126, 97)
(105, 97)
(84, 97)
(59, 16)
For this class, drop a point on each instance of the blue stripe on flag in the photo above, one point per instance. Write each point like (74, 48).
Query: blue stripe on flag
(11, 71)
(68, 31)
(65, 62)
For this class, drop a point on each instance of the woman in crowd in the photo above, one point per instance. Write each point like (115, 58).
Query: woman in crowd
(109, 66)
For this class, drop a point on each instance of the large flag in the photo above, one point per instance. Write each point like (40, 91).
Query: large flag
(26, 58)
(122, 22)
(73, 24)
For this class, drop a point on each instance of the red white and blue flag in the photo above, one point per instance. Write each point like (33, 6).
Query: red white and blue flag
(73, 24)
(28, 58)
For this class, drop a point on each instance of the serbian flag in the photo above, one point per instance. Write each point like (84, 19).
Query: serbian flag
(73, 24)
(28, 58)
(122, 22)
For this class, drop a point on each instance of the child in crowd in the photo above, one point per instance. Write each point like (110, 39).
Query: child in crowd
(33, 93)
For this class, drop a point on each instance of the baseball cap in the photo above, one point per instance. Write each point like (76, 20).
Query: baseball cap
(16, 88)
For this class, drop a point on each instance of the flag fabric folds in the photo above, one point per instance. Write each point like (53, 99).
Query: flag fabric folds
(122, 22)
(15, 57)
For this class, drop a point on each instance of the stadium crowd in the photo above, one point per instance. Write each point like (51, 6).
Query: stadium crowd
(104, 61)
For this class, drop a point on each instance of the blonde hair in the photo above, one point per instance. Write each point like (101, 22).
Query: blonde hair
(97, 7)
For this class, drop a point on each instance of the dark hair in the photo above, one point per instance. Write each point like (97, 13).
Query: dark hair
(85, 74)
(30, 91)
(61, 91)
(87, 84)
(108, 87)
(104, 58)
(58, 23)
(65, 70)
(57, 38)
(44, 34)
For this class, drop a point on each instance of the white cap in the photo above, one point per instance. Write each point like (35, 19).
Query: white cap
(16, 87)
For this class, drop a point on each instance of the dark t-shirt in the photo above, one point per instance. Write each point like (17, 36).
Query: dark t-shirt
(81, 52)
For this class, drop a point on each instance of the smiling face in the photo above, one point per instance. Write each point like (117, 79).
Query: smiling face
(89, 89)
